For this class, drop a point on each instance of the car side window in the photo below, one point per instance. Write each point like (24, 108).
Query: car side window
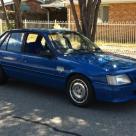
(15, 42)
(35, 43)
(3, 36)
(4, 44)
(31, 38)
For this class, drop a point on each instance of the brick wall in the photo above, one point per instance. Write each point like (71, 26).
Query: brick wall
(35, 13)
(117, 12)
(35, 6)
(122, 12)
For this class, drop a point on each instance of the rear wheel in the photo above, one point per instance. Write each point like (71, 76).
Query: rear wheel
(80, 91)
(3, 77)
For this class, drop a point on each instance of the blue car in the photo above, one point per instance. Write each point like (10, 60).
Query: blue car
(67, 60)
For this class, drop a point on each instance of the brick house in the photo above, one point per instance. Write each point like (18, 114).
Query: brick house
(110, 10)
(114, 11)
(118, 11)
(31, 9)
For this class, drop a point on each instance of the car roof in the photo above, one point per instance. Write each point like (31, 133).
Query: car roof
(37, 30)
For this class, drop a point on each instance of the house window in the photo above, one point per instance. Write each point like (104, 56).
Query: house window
(25, 7)
(103, 14)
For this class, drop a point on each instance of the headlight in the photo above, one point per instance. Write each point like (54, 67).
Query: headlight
(118, 80)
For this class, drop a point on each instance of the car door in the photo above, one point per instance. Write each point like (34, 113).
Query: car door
(10, 54)
(37, 68)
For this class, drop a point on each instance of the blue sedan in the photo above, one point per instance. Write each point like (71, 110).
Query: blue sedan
(67, 60)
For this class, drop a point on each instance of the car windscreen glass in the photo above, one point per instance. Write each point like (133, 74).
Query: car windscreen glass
(72, 42)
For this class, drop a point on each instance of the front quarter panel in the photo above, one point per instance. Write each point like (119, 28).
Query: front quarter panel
(92, 72)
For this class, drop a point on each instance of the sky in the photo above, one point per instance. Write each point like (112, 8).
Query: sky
(6, 1)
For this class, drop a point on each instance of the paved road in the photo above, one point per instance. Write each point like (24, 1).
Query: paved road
(31, 110)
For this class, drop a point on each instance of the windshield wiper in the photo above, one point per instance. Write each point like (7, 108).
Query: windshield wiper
(71, 51)
(89, 51)
(82, 51)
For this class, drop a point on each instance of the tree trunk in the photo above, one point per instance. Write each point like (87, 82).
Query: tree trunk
(18, 16)
(83, 16)
(75, 16)
(88, 14)
(95, 22)
(5, 14)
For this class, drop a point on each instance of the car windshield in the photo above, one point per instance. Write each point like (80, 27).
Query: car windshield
(72, 42)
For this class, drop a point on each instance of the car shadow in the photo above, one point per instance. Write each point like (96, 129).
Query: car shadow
(41, 91)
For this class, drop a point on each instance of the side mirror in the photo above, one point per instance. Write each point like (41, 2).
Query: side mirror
(46, 53)
(98, 49)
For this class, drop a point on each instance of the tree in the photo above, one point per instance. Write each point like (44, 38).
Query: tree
(87, 22)
(5, 14)
(18, 16)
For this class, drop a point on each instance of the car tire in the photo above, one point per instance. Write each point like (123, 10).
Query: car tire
(80, 91)
(3, 77)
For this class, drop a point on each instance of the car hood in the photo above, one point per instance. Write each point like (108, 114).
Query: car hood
(105, 61)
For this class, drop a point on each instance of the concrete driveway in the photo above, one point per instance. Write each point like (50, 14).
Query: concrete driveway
(32, 110)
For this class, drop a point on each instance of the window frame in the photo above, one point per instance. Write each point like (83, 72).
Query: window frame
(3, 34)
(1, 43)
(7, 38)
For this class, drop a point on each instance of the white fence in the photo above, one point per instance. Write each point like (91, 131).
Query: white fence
(122, 33)
(118, 33)
(49, 25)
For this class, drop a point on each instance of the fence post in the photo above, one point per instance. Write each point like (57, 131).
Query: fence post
(1, 27)
(69, 18)
(25, 23)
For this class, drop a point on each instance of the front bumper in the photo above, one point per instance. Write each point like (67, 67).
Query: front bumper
(109, 93)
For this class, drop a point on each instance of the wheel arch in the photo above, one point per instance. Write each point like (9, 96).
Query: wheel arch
(77, 74)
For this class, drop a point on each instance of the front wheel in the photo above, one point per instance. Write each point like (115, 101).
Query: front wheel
(80, 91)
